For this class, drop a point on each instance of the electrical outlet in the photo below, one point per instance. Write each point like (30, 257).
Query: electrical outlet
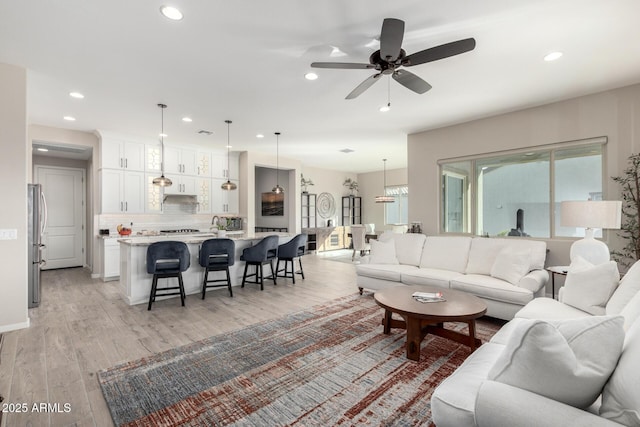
(9, 234)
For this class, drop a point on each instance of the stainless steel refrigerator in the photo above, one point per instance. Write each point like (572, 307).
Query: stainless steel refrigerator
(37, 224)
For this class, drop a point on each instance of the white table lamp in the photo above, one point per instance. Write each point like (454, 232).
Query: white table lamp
(590, 215)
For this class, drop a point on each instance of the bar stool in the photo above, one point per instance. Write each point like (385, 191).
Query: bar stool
(263, 252)
(294, 248)
(164, 260)
(217, 255)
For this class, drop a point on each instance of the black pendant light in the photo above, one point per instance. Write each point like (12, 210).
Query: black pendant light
(162, 181)
(228, 185)
(384, 198)
(277, 189)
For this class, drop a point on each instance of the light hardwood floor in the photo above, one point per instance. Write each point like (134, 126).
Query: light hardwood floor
(83, 326)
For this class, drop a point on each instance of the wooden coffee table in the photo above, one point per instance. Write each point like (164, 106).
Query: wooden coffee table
(421, 318)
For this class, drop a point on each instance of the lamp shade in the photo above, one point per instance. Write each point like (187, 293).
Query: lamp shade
(591, 214)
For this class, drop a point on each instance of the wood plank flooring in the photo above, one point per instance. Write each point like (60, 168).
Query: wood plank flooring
(83, 326)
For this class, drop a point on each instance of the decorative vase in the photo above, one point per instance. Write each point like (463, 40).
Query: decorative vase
(222, 233)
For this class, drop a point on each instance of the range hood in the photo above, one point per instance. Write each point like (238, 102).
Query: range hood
(180, 199)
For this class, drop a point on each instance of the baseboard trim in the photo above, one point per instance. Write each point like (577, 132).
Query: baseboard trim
(15, 326)
(95, 276)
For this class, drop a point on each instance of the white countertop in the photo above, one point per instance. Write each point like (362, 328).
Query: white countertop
(197, 238)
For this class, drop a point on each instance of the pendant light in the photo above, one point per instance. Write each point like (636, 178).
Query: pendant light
(277, 189)
(384, 198)
(228, 185)
(162, 181)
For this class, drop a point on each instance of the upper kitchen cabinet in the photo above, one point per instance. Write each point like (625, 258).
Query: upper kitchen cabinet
(224, 201)
(122, 192)
(182, 185)
(223, 170)
(126, 155)
(181, 161)
(153, 157)
(203, 163)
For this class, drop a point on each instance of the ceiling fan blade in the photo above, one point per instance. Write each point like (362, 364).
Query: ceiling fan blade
(391, 39)
(440, 52)
(363, 86)
(411, 81)
(342, 65)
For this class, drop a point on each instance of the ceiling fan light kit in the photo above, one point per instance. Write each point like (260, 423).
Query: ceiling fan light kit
(228, 185)
(391, 57)
(277, 189)
(162, 181)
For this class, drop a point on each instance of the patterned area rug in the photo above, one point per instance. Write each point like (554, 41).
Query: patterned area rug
(330, 365)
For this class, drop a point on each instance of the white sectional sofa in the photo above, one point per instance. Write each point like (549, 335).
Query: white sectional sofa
(555, 376)
(506, 273)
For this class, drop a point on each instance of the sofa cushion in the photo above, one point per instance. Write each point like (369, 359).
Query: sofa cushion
(621, 394)
(383, 253)
(453, 401)
(429, 277)
(491, 288)
(511, 265)
(631, 311)
(408, 246)
(549, 309)
(628, 287)
(384, 271)
(561, 362)
(588, 287)
(446, 253)
(483, 253)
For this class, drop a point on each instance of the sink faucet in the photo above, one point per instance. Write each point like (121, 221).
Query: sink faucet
(215, 220)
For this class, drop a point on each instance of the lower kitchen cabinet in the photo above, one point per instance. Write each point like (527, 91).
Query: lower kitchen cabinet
(110, 259)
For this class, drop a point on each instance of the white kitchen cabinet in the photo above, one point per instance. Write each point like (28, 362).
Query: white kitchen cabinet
(180, 161)
(153, 158)
(110, 259)
(181, 185)
(122, 191)
(125, 155)
(153, 195)
(203, 188)
(223, 170)
(224, 201)
(203, 163)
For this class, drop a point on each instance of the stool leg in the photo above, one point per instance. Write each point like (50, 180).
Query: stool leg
(278, 267)
(182, 293)
(204, 283)
(273, 275)
(259, 269)
(152, 295)
(301, 270)
(293, 273)
(244, 276)
(229, 282)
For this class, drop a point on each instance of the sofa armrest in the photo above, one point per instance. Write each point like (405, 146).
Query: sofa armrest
(502, 405)
(534, 280)
(365, 259)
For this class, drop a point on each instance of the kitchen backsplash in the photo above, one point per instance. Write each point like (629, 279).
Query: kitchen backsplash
(148, 222)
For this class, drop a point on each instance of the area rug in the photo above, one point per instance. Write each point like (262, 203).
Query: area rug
(330, 365)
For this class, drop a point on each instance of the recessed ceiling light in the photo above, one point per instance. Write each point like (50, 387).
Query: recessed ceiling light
(385, 108)
(311, 76)
(69, 118)
(552, 56)
(187, 119)
(229, 146)
(76, 95)
(163, 135)
(347, 150)
(259, 135)
(42, 149)
(171, 13)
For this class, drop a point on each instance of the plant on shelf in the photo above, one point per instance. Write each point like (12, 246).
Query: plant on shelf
(304, 183)
(629, 182)
(352, 185)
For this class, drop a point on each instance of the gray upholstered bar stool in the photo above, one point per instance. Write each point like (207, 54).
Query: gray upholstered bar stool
(287, 252)
(263, 252)
(165, 260)
(217, 255)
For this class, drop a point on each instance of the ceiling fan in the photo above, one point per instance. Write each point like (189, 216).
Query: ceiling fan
(391, 57)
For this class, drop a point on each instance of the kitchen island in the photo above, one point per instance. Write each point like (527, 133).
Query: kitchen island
(135, 282)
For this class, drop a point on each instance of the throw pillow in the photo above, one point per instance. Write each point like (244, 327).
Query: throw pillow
(383, 252)
(621, 394)
(569, 362)
(511, 265)
(629, 286)
(588, 287)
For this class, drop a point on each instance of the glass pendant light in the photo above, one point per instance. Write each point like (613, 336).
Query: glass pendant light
(228, 185)
(162, 181)
(384, 198)
(277, 189)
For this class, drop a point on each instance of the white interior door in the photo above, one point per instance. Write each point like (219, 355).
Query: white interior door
(64, 236)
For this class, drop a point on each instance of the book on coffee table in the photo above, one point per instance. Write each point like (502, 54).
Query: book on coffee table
(428, 296)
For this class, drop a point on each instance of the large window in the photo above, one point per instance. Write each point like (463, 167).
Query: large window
(519, 193)
(398, 211)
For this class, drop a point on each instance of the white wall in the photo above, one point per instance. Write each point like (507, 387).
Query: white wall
(265, 181)
(16, 154)
(614, 114)
(329, 181)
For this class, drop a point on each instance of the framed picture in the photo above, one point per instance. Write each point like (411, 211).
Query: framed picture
(272, 204)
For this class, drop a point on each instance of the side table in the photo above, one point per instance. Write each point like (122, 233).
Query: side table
(560, 270)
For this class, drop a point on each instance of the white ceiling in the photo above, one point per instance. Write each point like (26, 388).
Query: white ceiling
(245, 60)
